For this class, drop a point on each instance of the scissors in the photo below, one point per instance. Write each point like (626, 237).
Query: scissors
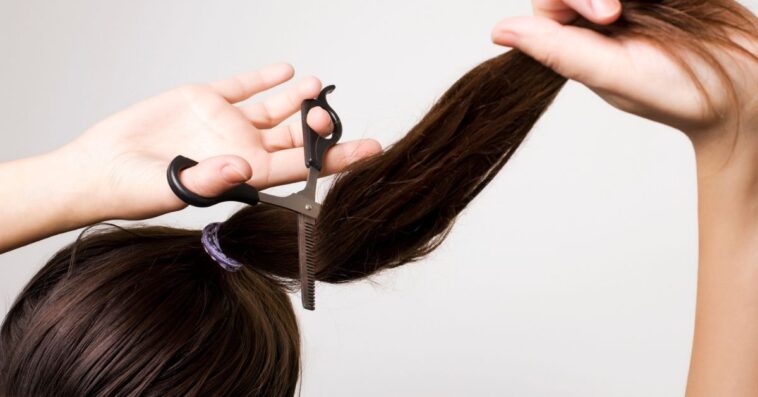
(302, 202)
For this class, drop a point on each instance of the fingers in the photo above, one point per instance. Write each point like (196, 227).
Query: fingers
(287, 166)
(213, 176)
(319, 120)
(269, 113)
(557, 10)
(564, 11)
(243, 86)
(291, 135)
(340, 156)
(578, 54)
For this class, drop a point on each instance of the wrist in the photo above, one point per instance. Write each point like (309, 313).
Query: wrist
(78, 200)
(727, 158)
(727, 168)
(45, 195)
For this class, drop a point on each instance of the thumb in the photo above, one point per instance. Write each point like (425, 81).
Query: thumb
(215, 175)
(575, 53)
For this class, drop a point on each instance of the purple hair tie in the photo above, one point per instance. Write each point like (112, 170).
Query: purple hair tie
(213, 248)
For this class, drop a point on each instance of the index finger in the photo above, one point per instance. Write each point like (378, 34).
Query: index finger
(243, 86)
(564, 11)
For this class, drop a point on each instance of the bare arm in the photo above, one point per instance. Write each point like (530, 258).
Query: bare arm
(116, 169)
(725, 349)
(40, 199)
(640, 79)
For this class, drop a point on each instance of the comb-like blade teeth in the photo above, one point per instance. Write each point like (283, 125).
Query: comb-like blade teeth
(307, 257)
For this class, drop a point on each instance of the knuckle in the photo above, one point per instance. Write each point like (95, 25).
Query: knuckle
(539, 6)
(552, 55)
(193, 90)
(265, 115)
(238, 85)
(293, 142)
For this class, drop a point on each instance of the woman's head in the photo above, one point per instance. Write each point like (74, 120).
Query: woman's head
(146, 312)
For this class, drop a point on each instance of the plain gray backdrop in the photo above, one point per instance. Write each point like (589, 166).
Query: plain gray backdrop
(572, 274)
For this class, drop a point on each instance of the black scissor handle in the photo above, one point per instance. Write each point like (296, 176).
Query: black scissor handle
(314, 144)
(242, 193)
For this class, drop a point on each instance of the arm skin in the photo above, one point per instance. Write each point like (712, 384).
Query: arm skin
(117, 168)
(725, 348)
(635, 77)
(41, 199)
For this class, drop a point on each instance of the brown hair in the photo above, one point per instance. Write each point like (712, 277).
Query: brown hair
(144, 311)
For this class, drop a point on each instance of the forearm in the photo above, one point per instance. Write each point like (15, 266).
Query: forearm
(725, 349)
(42, 196)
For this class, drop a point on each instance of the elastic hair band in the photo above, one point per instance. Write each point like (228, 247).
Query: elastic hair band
(213, 248)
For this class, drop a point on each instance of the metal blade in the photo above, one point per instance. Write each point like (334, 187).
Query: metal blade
(302, 202)
(296, 202)
(306, 254)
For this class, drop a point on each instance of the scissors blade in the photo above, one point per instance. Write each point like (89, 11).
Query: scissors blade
(296, 202)
(302, 202)
(306, 255)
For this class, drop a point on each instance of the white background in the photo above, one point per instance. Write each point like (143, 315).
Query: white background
(572, 274)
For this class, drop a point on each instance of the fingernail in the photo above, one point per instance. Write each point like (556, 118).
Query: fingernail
(232, 174)
(506, 37)
(604, 8)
